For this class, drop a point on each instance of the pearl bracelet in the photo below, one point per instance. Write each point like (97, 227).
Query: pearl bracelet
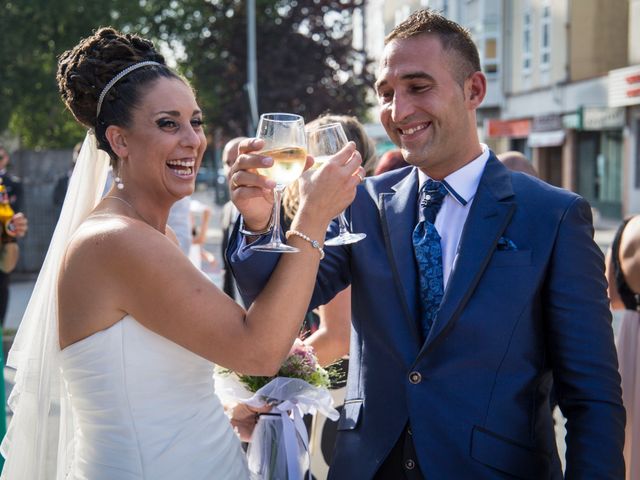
(314, 243)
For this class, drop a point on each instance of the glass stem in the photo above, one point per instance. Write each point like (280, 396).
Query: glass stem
(275, 231)
(344, 226)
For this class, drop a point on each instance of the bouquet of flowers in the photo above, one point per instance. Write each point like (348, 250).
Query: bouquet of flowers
(279, 444)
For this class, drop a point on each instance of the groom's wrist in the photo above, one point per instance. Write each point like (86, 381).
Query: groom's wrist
(252, 234)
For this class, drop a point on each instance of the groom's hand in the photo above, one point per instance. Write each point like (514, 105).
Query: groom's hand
(244, 418)
(252, 193)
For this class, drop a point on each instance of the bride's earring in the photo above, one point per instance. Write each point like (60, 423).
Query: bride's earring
(118, 181)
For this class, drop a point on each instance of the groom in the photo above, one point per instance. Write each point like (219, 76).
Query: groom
(474, 288)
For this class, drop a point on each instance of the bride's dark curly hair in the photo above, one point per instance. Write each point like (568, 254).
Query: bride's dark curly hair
(84, 71)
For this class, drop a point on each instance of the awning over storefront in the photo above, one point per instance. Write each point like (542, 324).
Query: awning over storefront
(546, 139)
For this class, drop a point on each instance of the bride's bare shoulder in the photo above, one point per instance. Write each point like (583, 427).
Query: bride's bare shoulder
(104, 241)
(100, 231)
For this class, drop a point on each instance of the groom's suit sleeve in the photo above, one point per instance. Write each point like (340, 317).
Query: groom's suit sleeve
(582, 350)
(253, 269)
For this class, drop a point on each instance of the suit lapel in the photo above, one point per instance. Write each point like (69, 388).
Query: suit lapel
(488, 218)
(398, 211)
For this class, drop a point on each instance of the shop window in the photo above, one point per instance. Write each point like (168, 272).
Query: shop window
(600, 170)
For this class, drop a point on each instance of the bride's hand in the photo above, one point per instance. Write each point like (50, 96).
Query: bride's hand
(330, 189)
(243, 419)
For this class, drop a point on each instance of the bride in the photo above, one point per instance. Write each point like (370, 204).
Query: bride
(115, 353)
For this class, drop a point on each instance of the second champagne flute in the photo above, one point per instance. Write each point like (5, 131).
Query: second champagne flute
(285, 142)
(323, 142)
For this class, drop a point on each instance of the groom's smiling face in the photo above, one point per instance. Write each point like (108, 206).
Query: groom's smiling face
(426, 110)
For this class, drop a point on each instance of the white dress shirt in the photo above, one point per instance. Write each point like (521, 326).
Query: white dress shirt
(452, 216)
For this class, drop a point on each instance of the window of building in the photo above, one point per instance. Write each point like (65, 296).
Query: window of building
(526, 42)
(490, 56)
(545, 36)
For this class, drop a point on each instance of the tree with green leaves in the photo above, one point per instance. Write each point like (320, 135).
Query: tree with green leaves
(34, 34)
(306, 60)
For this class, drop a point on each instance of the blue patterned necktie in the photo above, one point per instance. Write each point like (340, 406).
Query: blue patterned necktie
(428, 253)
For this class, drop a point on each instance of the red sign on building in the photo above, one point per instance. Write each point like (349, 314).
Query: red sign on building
(508, 128)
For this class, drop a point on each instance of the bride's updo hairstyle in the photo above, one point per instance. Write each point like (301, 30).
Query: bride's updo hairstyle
(85, 70)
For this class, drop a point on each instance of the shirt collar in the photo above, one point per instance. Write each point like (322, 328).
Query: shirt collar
(463, 183)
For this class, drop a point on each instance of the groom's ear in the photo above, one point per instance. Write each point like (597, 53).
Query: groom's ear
(117, 140)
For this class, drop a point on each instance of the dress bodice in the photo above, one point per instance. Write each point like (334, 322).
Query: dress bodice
(145, 408)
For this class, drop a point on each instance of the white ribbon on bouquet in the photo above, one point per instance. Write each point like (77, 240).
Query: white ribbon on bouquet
(291, 398)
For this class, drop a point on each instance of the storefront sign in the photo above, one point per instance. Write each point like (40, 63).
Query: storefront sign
(546, 139)
(572, 121)
(547, 123)
(624, 86)
(602, 118)
(507, 128)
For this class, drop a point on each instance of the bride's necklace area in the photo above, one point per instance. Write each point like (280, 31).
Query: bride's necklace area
(132, 208)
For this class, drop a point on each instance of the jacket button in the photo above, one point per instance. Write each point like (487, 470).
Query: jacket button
(409, 464)
(415, 377)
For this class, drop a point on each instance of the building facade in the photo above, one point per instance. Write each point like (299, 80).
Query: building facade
(559, 54)
(624, 94)
(550, 67)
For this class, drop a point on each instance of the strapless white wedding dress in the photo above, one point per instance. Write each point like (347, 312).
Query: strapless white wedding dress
(145, 408)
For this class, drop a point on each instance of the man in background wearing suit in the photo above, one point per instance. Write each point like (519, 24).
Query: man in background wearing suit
(474, 288)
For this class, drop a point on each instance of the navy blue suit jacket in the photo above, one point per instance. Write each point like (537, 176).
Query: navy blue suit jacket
(510, 320)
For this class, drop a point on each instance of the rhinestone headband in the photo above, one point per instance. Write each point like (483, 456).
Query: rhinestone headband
(115, 80)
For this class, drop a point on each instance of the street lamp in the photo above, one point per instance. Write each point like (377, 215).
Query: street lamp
(252, 67)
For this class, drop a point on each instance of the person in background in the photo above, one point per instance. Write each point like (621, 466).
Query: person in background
(229, 216)
(200, 217)
(623, 275)
(11, 183)
(60, 189)
(330, 335)
(390, 160)
(10, 251)
(517, 162)
(9, 254)
(180, 222)
(447, 380)
(13, 187)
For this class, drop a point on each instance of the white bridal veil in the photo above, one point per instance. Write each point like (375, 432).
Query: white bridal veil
(39, 440)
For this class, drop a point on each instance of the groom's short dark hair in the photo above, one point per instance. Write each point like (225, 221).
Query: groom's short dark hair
(452, 36)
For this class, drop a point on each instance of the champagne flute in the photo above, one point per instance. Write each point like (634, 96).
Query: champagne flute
(323, 142)
(285, 142)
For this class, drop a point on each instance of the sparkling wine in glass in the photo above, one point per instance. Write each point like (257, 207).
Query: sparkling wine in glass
(285, 142)
(323, 142)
